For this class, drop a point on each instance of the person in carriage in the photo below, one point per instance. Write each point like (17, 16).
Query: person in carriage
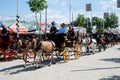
(62, 30)
(71, 34)
(53, 30)
(4, 36)
(60, 35)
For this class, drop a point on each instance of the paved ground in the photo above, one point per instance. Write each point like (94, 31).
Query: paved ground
(100, 66)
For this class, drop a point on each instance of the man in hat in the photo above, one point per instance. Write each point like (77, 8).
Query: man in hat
(53, 30)
(62, 30)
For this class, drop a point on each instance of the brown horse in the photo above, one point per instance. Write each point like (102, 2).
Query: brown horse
(45, 48)
(22, 46)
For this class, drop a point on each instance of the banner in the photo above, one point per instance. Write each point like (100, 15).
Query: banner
(106, 14)
(118, 3)
(88, 7)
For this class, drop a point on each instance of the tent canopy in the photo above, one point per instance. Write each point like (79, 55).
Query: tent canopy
(21, 29)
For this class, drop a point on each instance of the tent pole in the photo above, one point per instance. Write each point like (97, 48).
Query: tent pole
(17, 18)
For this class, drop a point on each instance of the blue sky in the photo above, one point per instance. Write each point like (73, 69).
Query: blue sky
(58, 10)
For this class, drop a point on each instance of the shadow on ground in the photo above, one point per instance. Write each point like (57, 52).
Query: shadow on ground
(96, 69)
(16, 69)
(115, 77)
(116, 60)
(118, 48)
(30, 67)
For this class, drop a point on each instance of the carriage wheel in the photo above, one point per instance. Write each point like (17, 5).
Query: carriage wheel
(78, 50)
(66, 55)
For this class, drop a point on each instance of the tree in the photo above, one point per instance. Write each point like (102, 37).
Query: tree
(111, 21)
(84, 22)
(36, 6)
(81, 20)
(98, 22)
(89, 29)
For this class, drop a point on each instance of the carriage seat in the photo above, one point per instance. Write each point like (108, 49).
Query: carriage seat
(69, 42)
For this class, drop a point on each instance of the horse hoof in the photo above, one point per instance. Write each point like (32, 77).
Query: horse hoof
(25, 66)
(39, 66)
(28, 61)
(35, 67)
(32, 63)
(54, 62)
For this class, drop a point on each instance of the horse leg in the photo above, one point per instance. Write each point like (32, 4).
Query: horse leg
(25, 58)
(52, 59)
(34, 56)
(104, 47)
(38, 59)
(99, 47)
(93, 48)
(87, 49)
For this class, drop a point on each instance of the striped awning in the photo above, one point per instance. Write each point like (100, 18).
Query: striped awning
(21, 29)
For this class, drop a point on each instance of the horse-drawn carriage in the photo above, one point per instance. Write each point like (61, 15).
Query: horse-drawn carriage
(65, 45)
(59, 45)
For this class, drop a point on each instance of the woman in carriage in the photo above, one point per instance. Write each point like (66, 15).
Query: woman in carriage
(71, 34)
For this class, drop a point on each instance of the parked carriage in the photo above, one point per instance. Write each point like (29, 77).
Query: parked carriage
(5, 45)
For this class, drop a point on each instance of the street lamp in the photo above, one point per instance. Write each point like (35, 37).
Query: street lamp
(46, 19)
(46, 13)
(69, 11)
(17, 7)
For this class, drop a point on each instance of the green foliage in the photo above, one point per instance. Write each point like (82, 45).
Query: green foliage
(37, 5)
(81, 20)
(89, 29)
(100, 29)
(98, 22)
(111, 21)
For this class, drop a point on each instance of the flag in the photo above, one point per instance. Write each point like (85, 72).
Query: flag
(118, 3)
(88, 7)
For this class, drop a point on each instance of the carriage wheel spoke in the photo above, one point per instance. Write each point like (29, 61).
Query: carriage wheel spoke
(66, 55)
